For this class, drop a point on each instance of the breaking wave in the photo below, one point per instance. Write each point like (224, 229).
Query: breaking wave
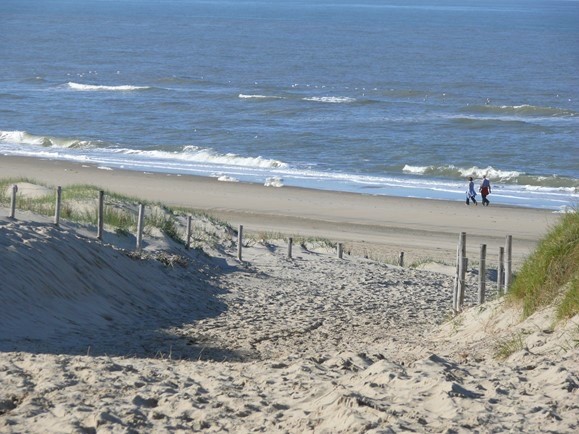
(331, 99)
(521, 110)
(96, 88)
(24, 138)
(244, 96)
(208, 155)
(504, 176)
(185, 154)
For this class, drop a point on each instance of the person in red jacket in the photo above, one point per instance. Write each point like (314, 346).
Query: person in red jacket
(485, 190)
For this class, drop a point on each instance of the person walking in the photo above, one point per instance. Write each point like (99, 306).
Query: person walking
(470, 193)
(485, 190)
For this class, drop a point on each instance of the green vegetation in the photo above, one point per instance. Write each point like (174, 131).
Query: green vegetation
(79, 204)
(551, 273)
(505, 347)
(308, 243)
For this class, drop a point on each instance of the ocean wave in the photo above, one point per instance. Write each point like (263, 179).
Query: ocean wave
(244, 96)
(530, 182)
(24, 138)
(208, 155)
(34, 80)
(198, 155)
(491, 122)
(11, 96)
(330, 99)
(96, 88)
(521, 110)
(455, 172)
(187, 153)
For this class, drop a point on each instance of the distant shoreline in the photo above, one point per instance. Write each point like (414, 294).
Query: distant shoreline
(422, 227)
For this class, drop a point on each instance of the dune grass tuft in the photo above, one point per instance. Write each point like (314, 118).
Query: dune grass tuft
(79, 204)
(551, 273)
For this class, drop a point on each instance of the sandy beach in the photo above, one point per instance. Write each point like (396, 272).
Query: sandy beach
(375, 226)
(97, 339)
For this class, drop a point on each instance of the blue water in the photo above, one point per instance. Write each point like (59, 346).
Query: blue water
(403, 98)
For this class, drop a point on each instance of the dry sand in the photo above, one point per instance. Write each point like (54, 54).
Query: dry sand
(94, 338)
(373, 226)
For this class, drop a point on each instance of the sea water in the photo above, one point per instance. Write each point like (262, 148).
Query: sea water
(403, 97)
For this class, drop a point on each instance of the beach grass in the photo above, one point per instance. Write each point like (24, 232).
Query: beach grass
(551, 273)
(79, 204)
(508, 346)
(306, 242)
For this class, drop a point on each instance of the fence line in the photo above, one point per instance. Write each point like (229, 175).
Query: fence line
(504, 268)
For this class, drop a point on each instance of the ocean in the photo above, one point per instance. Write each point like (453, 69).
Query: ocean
(402, 98)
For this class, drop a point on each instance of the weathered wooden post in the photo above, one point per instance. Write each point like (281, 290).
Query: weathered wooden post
(463, 283)
(509, 264)
(290, 242)
(239, 242)
(100, 222)
(482, 274)
(140, 227)
(339, 250)
(456, 279)
(13, 202)
(188, 241)
(501, 271)
(462, 265)
(401, 259)
(57, 206)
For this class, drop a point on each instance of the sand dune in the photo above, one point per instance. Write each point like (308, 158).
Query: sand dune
(95, 338)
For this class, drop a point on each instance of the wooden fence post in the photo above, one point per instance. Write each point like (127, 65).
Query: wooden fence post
(188, 242)
(482, 274)
(501, 271)
(462, 283)
(339, 250)
(462, 265)
(57, 206)
(100, 222)
(13, 202)
(290, 242)
(509, 260)
(401, 259)
(239, 242)
(140, 227)
(456, 279)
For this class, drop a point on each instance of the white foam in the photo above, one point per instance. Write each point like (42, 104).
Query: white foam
(273, 182)
(490, 173)
(208, 155)
(474, 171)
(415, 169)
(92, 88)
(244, 96)
(330, 99)
(20, 137)
(24, 138)
(225, 178)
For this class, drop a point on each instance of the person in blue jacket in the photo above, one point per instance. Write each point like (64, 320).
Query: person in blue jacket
(470, 193)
